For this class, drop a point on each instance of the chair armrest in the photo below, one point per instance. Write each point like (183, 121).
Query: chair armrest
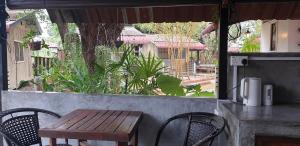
(36, 110)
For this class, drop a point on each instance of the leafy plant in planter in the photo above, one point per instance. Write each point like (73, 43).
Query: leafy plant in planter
(29, 41)
(35, 45)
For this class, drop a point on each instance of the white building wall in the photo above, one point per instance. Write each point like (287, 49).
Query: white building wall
(282, 36)
(294, 36)
(149, 48)
(288, 36)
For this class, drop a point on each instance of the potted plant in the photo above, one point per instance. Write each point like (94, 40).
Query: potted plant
(28, 40)
(35, 45)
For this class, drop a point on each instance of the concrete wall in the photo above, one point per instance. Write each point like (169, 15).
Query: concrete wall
(156, 109)
(288, 35)
(284, 75)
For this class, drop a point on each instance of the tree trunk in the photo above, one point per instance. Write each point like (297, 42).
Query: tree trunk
(61, 24)
(63, 30)
(97, 34)
(88, 32)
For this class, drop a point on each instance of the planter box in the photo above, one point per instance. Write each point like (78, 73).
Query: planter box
(34, 46)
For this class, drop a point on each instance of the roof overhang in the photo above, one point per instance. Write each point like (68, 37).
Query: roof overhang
(75, 4)
(30, 20)
(135, 15)
(143, 11)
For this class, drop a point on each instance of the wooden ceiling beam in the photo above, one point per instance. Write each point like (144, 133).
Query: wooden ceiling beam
(59, 4)
(264, 1)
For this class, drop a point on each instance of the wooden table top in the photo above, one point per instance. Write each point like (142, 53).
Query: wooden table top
(88, 124)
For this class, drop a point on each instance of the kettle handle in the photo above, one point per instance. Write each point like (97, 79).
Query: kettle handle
(245, 87)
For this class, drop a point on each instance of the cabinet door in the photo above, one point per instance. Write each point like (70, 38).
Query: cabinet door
(276, 141)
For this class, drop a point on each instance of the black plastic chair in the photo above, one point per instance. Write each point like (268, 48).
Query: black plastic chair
(201, 128)
(22, 129)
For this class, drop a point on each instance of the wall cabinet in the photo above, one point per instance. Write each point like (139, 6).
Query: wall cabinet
(276, 141)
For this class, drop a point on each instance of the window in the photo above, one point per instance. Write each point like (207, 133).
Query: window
(137, 50)
(273, 37)
(19, 51)
(163, 53)
(183, 55)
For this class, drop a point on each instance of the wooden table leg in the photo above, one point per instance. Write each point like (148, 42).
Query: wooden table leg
(52, 141)
(135, 138)
(122, 144)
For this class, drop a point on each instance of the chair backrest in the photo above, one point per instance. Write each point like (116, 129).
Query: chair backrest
(20, 126)
(201, 128)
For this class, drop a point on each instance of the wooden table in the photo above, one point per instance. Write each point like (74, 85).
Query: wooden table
(85, 124)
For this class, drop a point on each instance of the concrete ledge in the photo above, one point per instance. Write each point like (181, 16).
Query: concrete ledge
(156, 108)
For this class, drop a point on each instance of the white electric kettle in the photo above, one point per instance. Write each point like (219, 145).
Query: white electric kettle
(251, 91)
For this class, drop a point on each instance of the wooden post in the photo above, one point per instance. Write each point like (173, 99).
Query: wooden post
(3, 54)
(198, 56)
(3, 47)
(223, 47)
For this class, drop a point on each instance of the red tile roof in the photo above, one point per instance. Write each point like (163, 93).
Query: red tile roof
(135, 40)
(166, 41)
(160, 42)
(192, 45)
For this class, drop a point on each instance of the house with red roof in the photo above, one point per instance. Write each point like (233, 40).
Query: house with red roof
(175, 51)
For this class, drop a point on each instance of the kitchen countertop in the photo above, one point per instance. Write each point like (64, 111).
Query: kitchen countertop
(275, 113)
(244, 123)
